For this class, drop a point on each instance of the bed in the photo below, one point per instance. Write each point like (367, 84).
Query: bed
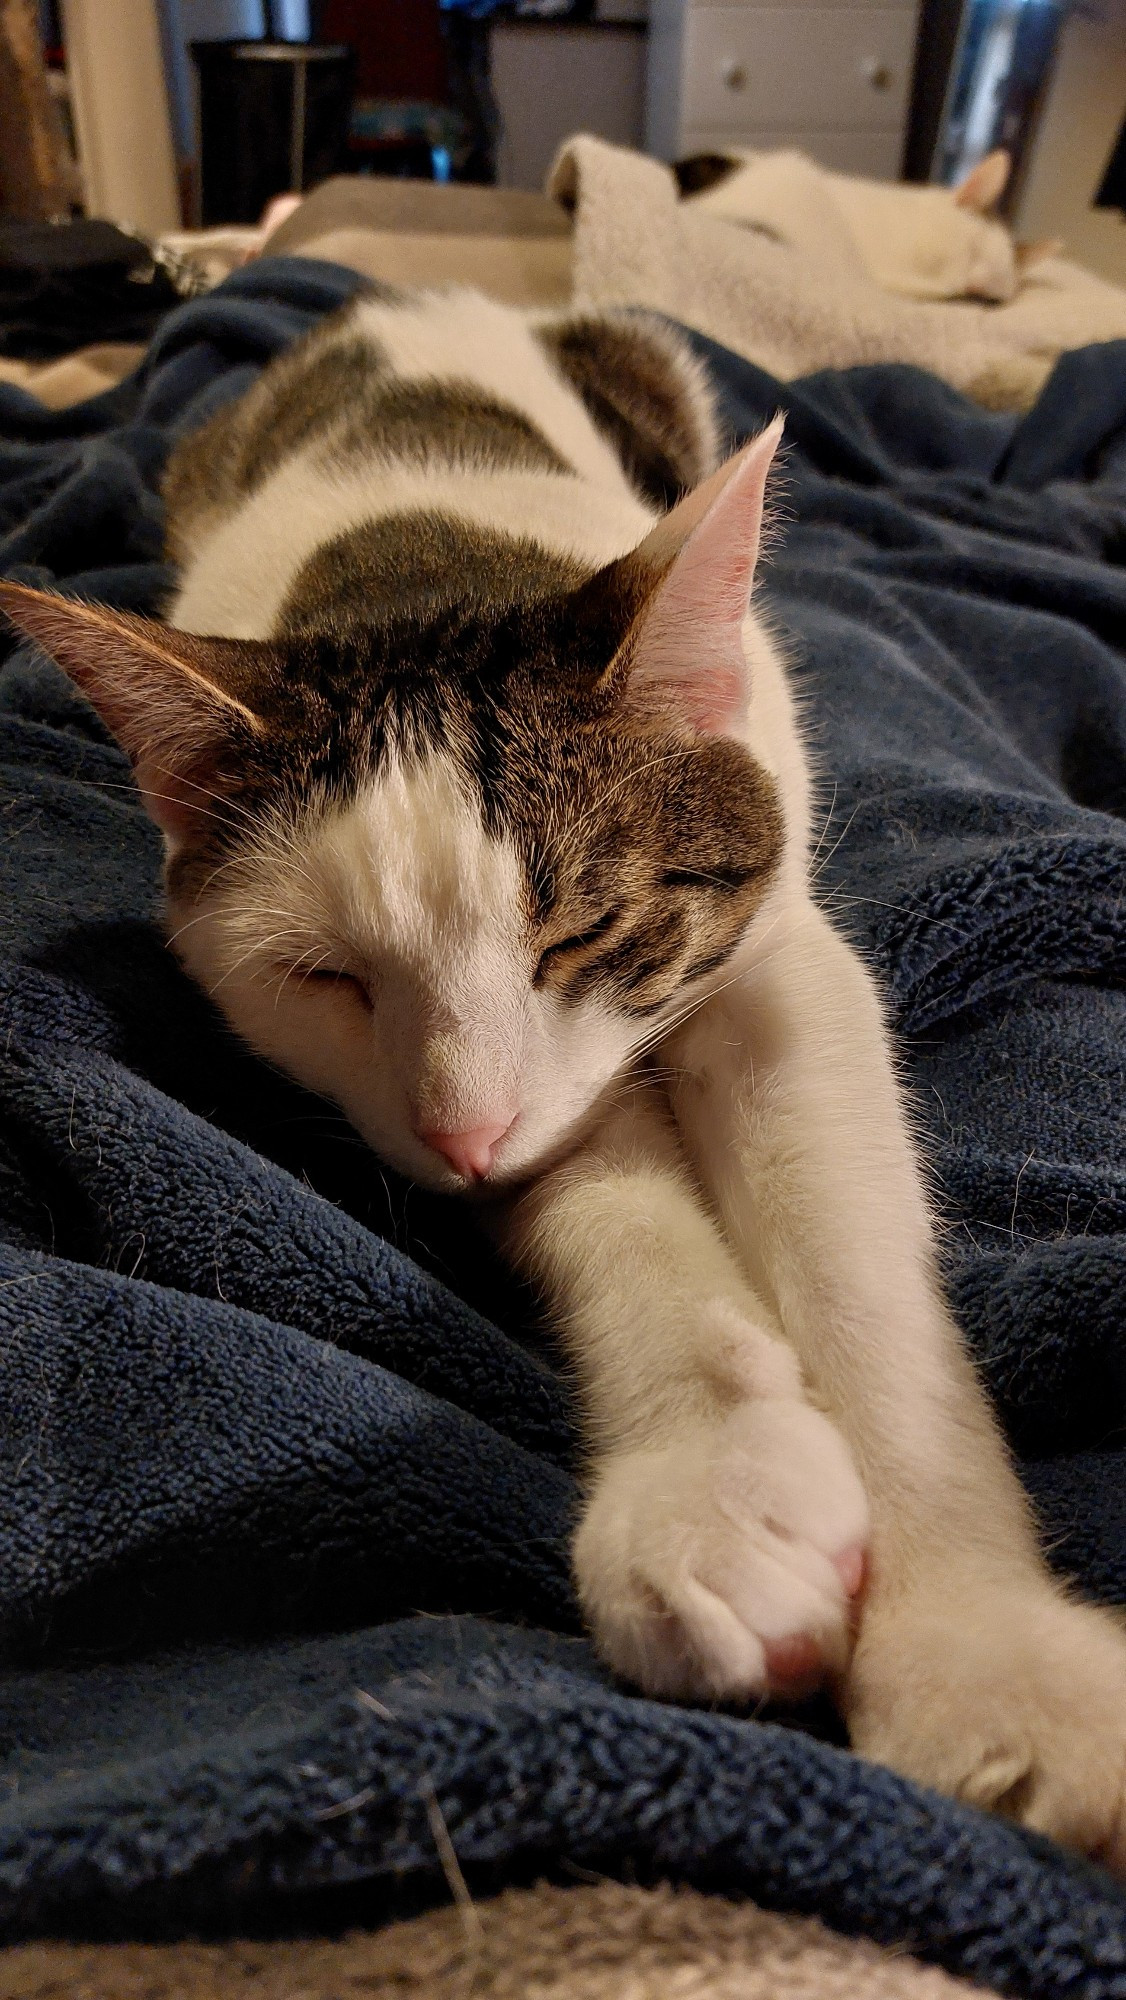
(288, 1466)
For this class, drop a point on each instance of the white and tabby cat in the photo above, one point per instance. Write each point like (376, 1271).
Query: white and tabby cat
(488, 816)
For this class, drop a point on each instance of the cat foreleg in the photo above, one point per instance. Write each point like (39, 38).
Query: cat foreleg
(973, 1672)
(719, 1546)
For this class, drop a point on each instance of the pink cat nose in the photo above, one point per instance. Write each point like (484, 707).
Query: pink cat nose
(470, 1154)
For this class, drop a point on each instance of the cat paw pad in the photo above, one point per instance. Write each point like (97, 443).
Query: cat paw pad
(725, 1565)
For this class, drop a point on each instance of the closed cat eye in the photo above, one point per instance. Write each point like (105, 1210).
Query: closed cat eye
(566, 945)
(333, 976)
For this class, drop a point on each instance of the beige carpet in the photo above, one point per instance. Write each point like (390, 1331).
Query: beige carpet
(604, 1942)
(75, 376)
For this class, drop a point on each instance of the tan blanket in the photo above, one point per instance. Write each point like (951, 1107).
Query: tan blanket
(604, 1942)
(511, 244)
(75, 376)
(793, 306)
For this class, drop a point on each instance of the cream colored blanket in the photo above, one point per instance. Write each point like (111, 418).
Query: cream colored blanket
(795, 299)
(604, 1942)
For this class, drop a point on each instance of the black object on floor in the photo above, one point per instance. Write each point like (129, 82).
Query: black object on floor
(65, 284)
(273, 119)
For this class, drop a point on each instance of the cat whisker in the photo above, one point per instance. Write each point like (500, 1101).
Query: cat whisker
(655, 763)
(825, 826)
(188, 926)
(166, 797)
(900, 909)
(816, 873)
(231, 806)
(308, 972)
(256, 949)
(743, 969)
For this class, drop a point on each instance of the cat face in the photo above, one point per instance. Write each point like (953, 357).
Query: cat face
(453, 872)
(465, 968)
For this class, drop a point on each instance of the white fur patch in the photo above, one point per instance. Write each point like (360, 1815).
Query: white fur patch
(236, 584)
(465, 335)
(238, 577)
(405, 890)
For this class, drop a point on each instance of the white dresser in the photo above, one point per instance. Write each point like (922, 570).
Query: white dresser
(832, 80)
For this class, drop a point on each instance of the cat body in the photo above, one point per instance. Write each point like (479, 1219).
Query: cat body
(921, 242)
(488, 815)
(535, 499)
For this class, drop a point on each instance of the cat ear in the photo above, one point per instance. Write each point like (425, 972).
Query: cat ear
(685, 650)
(984, 185)
(156, 689)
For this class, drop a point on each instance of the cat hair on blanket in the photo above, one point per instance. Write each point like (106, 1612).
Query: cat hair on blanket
(487, 814)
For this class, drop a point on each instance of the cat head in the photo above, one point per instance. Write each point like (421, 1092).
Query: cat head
(454, 867)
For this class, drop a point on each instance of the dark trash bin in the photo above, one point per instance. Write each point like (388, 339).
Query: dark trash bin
(273, 119)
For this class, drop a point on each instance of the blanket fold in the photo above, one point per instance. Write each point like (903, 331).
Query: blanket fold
(277, 1428)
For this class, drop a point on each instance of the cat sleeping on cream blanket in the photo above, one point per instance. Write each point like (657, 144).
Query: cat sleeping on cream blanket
(487, 815)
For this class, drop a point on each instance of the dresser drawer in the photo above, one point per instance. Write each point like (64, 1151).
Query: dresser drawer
(749, 69)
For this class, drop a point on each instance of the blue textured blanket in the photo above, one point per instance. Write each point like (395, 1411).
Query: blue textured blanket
(285, 1470)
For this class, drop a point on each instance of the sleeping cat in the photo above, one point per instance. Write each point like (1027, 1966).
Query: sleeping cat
(487, 815)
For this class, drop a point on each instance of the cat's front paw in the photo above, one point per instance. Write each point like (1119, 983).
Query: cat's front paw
(724, 1565)
(1014, 1700)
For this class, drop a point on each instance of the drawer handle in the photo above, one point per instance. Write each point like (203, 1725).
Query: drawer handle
(733, 74)
(877, 73)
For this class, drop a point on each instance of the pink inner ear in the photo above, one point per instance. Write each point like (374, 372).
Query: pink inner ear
(689, 651)
(159, 691)
(174, 800)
